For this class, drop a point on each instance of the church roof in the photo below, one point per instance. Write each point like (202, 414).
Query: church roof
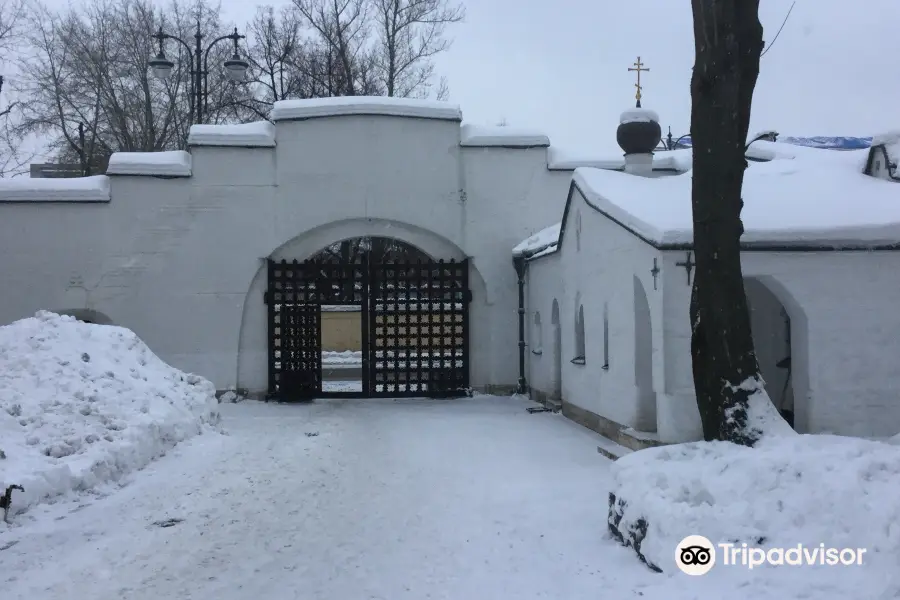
(544, 241)
(820, 199)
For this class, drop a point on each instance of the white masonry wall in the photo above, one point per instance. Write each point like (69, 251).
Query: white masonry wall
(178, 254)
(600, 276)
(545, 340)
(845, 336)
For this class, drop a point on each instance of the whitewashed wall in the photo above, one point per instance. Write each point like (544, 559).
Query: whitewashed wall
(845, 336)
(181, 260)
(599, 274)
(544, 286)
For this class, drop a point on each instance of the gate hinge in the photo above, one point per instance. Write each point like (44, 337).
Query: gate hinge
(468, 295)
(266, 297)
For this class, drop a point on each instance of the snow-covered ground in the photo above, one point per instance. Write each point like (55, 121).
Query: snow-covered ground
(818, 491)
(334, 358)
(342, 386)
(470, 499)
(82, 405)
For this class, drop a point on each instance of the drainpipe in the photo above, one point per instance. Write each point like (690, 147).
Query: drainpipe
(519, 264)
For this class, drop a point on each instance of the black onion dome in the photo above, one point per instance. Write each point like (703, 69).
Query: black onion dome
(639, 131)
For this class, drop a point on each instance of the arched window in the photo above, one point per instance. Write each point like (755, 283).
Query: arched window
(579, 336)
(537, 336)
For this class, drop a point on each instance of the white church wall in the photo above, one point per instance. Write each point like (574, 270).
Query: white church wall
(545, 342)
(510, 195)
(601, 275)
(181, 260)
(845, 337)
(679, 416)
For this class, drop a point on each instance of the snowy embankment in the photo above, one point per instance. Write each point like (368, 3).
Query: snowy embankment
(788, 490)
(83, 404)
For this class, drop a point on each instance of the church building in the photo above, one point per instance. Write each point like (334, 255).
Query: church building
(212, 257)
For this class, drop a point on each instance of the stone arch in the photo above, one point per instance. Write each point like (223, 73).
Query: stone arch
(645, 417)
(781, 339)
(252, 359)
(87, 315)
(556, 387)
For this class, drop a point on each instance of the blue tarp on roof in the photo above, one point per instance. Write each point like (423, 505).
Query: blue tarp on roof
(831, 143)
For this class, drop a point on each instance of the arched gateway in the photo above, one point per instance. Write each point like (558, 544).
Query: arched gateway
(414, 325)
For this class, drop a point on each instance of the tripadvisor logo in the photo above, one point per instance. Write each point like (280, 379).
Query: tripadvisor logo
(696, 555)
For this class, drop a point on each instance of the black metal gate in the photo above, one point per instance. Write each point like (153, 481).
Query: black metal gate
(414, 320)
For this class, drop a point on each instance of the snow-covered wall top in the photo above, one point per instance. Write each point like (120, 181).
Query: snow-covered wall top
(260, 134)
(670, 160)
(79, 189)
(793, 203)
(501, 136)
(287, 110)
(173, 163)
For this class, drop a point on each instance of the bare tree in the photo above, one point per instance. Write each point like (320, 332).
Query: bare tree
(88, 67)
(410, 34)
(378, 47)
(728, 42)
(12, 156)
(342, 31)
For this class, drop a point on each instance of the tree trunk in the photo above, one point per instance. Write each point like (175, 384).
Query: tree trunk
(728, 42)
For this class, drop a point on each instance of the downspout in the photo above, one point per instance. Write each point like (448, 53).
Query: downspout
(520, 265)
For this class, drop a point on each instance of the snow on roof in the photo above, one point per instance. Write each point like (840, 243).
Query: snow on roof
(284, 110)
(545, 239)
(802, 202)
(76, 189)
(260, 134)
(173, 163)
(560, 160)
(638, 115)
(888, 138)
(682, 159)
(501, 136)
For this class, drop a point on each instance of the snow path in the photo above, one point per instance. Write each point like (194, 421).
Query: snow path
(392, 499)
(470, 499)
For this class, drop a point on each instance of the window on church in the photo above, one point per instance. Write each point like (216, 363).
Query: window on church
(578, 231)
(606, 336)
(579, 337)
(537, 340)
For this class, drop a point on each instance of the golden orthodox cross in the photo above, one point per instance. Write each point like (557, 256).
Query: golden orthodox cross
(638, 68)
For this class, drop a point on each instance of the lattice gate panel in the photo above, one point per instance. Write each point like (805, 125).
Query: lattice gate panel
(295, 323)
(419, 336)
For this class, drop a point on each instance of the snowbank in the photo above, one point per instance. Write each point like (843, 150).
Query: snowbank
(83, 404)
(802, 489)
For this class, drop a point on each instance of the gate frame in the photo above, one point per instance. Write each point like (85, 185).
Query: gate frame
(311, 291)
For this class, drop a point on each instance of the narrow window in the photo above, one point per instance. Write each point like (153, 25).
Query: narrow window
(537, 336)
(579, 337)
(606, 336)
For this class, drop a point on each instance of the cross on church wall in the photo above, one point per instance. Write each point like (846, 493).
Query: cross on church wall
(638, 68)
(688, 265)
(654, 271)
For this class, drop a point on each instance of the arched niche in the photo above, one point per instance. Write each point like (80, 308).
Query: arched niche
(781, 340)
(252, 360)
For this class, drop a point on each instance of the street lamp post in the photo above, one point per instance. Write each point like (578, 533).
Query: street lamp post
(235, 67)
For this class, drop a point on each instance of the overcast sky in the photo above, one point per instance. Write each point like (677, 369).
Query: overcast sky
(561, 66)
